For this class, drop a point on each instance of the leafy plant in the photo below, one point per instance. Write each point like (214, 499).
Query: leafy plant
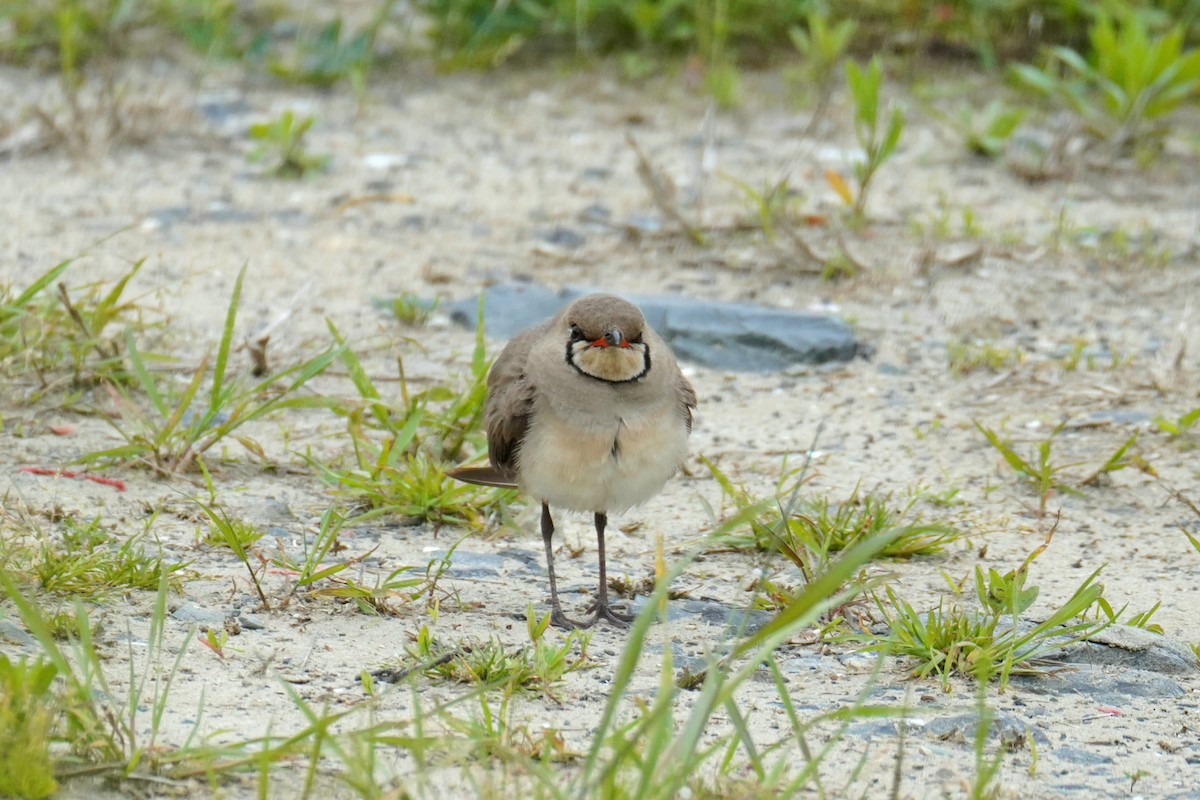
(329, 57)
(878, 141)
(281, 145)
(970, 356)
(402, 473)
(822, 44)
(538, 666)
(65, 340)
(1047, 476)
(810, 531)
(986, 131)
(1180, 427)
(1129, 85)
(949, 640)
(411, 309)
(180, 428)
(29, 708)
(770, 204)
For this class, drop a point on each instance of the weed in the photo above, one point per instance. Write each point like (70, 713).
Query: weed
(822, 45)
(1041, 472)
(1047, 477)
(770, 204)
(64, 340)
(538, 666)
(950, 640)
(281, 145)
(987, 768)
(84, 561)
(1082, 356)
(721, 78)
(878, 144)
(178, 431)
(403, 473)
(947, 222)
(412, 310)
(1138, 620)
(966, 357)
(1181, 427)
(658, 756)
(1130, 84)
(29, 707)
(329, 57)
(102, 734)
(236, 534)
(986, 131)
(810, 531)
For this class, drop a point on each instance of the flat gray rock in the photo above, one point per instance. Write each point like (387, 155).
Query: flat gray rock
(740, 337)
(1133, 648)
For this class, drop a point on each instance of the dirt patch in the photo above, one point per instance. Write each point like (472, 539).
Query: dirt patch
(438, 186)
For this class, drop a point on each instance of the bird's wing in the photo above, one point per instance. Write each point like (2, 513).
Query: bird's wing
(510, 401)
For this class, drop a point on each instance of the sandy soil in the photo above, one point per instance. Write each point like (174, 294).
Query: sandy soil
(476, 170)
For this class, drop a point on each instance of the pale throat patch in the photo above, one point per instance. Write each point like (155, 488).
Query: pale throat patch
(617, 364)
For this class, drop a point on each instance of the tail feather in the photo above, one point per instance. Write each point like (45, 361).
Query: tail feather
(484, 476)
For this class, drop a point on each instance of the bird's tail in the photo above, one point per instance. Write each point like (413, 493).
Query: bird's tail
(484, 476)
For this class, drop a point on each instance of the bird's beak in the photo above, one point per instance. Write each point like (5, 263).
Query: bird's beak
(613, 338)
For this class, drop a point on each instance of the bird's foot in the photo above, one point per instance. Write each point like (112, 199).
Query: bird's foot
(560, 620)
(602, 610)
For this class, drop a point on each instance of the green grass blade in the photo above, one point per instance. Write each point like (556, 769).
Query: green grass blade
(35, 288)
(215, 399)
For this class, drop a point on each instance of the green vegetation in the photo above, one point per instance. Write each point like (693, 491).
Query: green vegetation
(398, 456)
(281, 144)
(182, 425)
(949, 640)
(1047, 476)
(1128, 85)
(877, 139)
(68, 339)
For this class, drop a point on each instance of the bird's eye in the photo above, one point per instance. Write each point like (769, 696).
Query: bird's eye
(576, 334)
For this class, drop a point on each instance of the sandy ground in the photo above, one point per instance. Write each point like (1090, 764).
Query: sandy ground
(439, 185)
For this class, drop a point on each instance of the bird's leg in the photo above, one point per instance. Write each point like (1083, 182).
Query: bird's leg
(557, 618)
(601, 607)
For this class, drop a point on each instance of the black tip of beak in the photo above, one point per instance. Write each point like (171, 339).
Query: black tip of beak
(615, 337)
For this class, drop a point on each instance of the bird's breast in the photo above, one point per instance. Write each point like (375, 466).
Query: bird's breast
(600, 464)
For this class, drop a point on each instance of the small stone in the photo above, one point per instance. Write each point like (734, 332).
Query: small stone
(191, 612)
(563, 237)
(252, 622)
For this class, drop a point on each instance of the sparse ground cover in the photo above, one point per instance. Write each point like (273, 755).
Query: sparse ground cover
(231, 562)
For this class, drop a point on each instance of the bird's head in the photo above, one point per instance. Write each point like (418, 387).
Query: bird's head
(605, 339)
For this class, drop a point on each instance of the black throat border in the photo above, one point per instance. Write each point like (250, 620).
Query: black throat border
(634, 379)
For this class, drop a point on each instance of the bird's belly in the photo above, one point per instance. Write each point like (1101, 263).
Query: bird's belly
(602, 468)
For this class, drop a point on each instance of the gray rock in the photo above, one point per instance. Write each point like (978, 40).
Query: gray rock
(1077, 755)
(563, 237)
(191, 612)
(466, 564)
(738, 621)
(1111, 685)
(1133, 648)
(11, 632)
(252, 622)
(732, 336)
(1012, 731)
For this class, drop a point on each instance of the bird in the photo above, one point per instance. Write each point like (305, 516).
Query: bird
(588, 412)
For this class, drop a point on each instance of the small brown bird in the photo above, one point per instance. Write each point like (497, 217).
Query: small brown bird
(587, 411)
